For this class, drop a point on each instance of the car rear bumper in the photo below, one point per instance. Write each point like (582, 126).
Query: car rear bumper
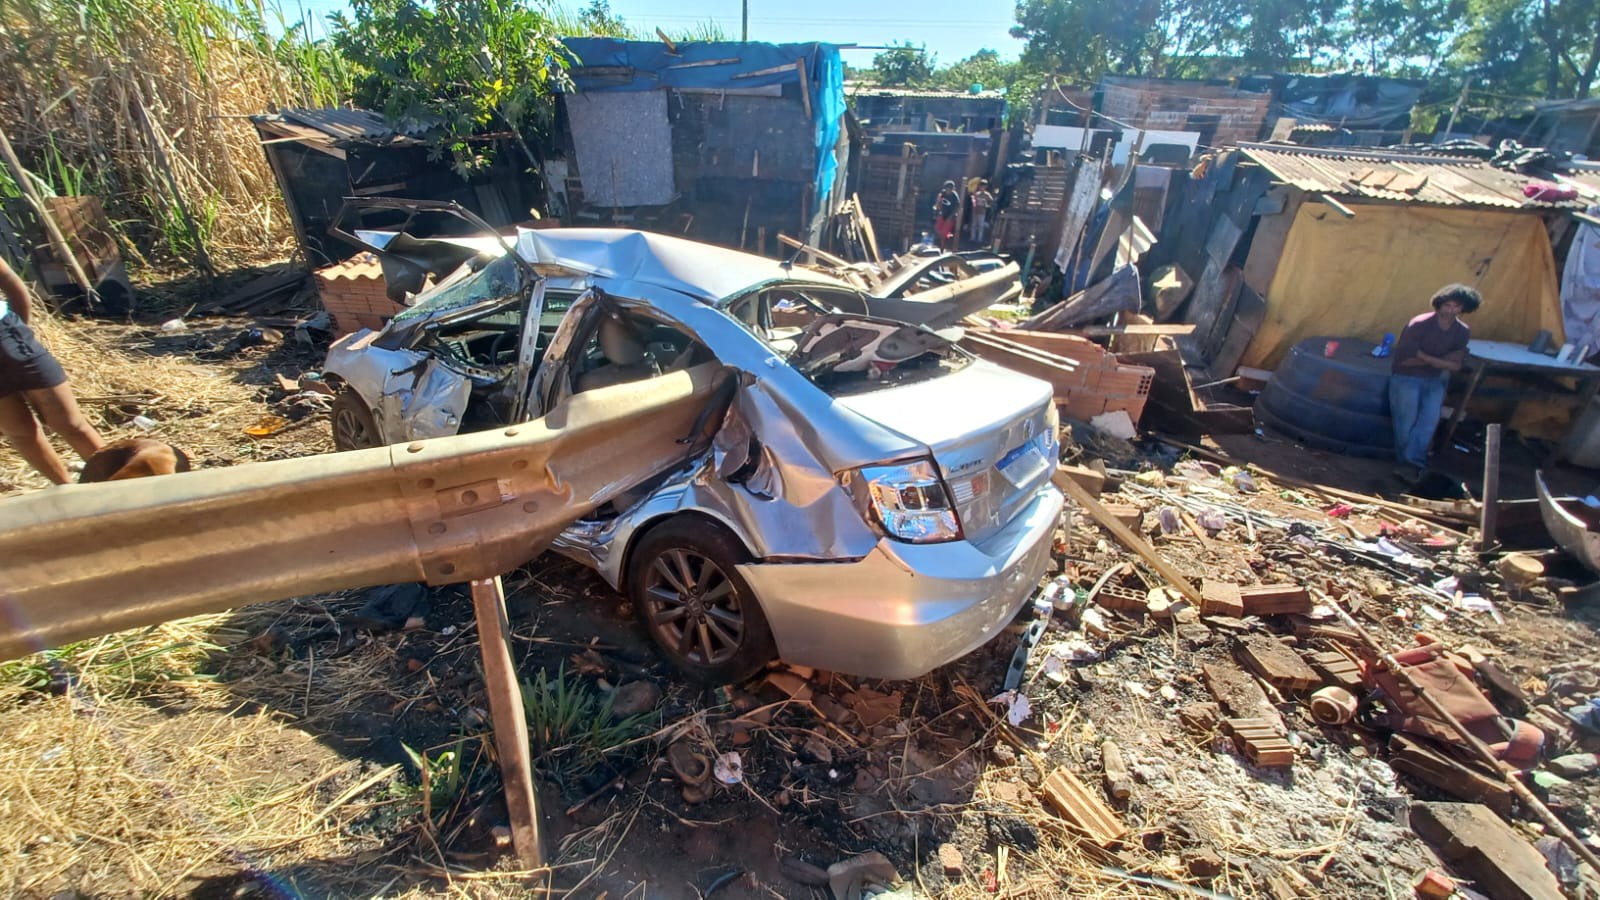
(906, 609)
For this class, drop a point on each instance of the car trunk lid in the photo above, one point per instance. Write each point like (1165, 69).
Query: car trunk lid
(988, 430)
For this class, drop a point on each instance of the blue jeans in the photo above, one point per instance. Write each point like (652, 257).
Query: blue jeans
(1414, 403)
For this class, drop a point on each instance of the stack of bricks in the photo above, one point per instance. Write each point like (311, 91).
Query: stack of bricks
(353, 292)
(1231, 114)
(1088, 379)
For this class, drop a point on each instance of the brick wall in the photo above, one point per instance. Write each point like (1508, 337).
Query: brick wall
(1229, 115)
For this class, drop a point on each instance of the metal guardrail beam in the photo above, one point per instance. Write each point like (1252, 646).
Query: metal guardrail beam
(84, 560)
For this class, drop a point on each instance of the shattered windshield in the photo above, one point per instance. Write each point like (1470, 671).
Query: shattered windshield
(499, 279)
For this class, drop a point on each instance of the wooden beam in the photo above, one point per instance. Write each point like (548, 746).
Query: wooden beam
(1131, 540)
(1488, 516)
(1155, 328)
(509, 717)
(823, 255)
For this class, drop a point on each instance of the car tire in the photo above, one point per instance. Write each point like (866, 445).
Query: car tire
(353, 425)
(691, 600)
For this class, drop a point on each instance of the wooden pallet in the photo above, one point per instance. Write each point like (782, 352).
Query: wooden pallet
(1260, 742)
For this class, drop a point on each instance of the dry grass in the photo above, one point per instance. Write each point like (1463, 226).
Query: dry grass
(106, 788)
(200, 407)
(81, 80)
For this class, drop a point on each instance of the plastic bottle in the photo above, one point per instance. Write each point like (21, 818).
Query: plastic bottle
(1385, 348)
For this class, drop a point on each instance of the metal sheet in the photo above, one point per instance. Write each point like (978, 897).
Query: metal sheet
(1446, 180)
(624, 147)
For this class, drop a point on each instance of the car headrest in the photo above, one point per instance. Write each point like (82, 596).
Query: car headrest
(620, 343)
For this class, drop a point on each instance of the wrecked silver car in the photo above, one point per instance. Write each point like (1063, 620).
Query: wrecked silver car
(877, 501)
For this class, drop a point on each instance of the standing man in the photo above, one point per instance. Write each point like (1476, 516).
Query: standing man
(1430, 347)
(33, 387)
(981, 201)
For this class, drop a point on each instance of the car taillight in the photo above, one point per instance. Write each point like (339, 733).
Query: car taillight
(908, 501)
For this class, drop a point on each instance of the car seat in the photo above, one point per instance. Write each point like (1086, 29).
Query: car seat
(625, 355)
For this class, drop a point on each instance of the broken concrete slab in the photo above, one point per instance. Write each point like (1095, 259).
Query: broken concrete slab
(1478, 844)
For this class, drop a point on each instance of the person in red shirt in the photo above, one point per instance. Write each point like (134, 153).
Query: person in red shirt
(1430, 347)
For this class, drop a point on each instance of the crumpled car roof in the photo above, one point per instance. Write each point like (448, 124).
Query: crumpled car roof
(703, 271)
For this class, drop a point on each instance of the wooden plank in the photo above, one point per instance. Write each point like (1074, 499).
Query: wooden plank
(1412, 757)
(1280, 666)
(1082, 809)
(1132, 541)
(509, 717)
(1154, 328)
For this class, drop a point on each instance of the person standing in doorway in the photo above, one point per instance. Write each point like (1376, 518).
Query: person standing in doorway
(33, 388)
(945, 207)
(1430, 347)
(982, 200)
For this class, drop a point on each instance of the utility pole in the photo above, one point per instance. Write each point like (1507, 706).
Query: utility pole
(744, 20)
(1466, 83)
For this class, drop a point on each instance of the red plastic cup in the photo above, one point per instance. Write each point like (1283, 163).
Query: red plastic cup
(1330, 348)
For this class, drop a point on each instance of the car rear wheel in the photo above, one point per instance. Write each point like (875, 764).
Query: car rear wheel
(353, 425)
(689, 596)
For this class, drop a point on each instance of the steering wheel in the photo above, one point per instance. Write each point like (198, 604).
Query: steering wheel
(497, 346)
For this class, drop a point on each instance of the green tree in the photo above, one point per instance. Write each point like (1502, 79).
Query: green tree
(903, 65)
(460, 66)
(1549, 48)
(598, 19)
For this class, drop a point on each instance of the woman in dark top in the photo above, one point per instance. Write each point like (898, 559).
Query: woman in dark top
(1430, 347)
(945, 207)
(33, 387)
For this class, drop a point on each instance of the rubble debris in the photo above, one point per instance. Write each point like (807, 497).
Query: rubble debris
(1237, 692)
(729, 768)
(1574, 765)
(1275, 599)
(1337, 668)
(1204, 863)
(634, 698)
(1119, 781)
(1475, 842)
(1281, 667)
(796, 869)
(1433, 884)
(950, 860)
(1519, 569)
(1260, 742)
(850, 878)
(792, 685)
(1090, 479)
(1082, 809)
(1221, 598)
(1333, 705)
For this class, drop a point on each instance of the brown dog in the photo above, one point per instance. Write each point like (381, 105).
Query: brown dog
(133, 458)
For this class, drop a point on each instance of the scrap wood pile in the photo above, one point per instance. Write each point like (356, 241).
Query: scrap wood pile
(1324, 656)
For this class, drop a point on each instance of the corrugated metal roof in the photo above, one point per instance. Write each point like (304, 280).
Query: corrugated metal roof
(1402, 177)
(856, 89)
(352, 124)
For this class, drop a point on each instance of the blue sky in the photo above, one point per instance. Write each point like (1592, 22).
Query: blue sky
(951, 29)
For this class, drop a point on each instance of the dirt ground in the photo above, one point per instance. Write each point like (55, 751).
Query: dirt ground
(279, 750)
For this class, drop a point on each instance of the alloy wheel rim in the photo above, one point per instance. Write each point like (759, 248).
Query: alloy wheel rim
(351, 431)
(693, 607)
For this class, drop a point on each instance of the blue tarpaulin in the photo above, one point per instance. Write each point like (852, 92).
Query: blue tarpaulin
(612, 64)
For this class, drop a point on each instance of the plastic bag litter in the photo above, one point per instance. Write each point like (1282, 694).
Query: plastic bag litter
(729, 768)
(1018, 709)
